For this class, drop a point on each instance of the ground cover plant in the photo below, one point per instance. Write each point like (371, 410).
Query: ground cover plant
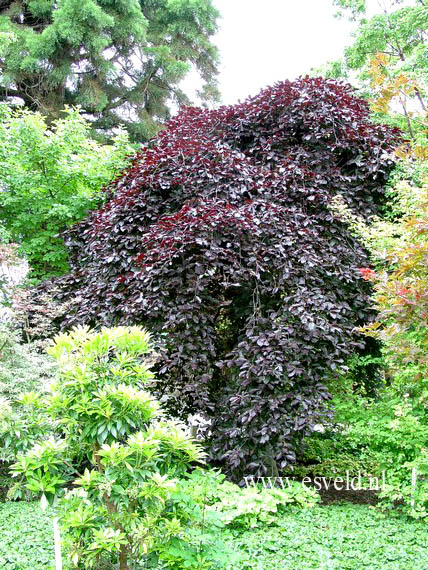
(26, 537)
(219, 237)
(337, 537)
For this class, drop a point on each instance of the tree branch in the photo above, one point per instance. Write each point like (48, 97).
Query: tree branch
(8, 92)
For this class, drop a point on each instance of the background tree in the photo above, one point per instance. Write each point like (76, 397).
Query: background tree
(219, 236)
(391, 51)
(388, 59)
(399, 30)
(402, 291)
(121, 61)
(399, 254)
(49, 179)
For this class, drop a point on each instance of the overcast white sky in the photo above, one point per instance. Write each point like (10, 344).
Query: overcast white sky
(263, 41)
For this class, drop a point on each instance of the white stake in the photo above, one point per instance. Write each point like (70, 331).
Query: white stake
(57, 542)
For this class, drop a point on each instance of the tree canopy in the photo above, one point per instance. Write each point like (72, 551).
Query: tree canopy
(401, 35)
(388, 60)
(122, 61)
(219, 237)
(50, 177)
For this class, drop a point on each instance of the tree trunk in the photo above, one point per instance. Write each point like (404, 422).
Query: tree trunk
(123, 558)
(409, 124)
(273, 467)
(112, 510)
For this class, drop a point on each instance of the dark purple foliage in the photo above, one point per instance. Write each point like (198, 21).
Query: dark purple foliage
(219, 235)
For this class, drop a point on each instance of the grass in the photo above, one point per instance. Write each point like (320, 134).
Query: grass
(334, 537)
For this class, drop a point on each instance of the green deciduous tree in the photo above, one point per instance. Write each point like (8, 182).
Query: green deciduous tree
(390, 56)
(49, 178)
(122, 61)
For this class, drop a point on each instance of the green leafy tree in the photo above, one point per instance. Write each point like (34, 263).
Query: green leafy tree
(399, 30)
(390, 50)
(50, 177)
(122, 61)
(388, 59)
(120, 507)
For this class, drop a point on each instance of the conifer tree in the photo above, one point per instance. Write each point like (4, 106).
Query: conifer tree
(122, 61)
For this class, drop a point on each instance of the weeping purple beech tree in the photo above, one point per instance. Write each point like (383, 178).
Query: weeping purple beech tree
(219, 238)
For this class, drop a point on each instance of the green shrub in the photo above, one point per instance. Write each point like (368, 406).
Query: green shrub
(25, 374)
(247, 507)
(370, 437)
(120, 508)
(251, 507)
(51, 176)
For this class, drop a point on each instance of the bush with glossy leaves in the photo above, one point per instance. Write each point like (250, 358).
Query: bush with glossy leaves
(117, 507)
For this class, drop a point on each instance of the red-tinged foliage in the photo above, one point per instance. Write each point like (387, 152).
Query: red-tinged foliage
(368, 274)
(401, 298)
(219, 236)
